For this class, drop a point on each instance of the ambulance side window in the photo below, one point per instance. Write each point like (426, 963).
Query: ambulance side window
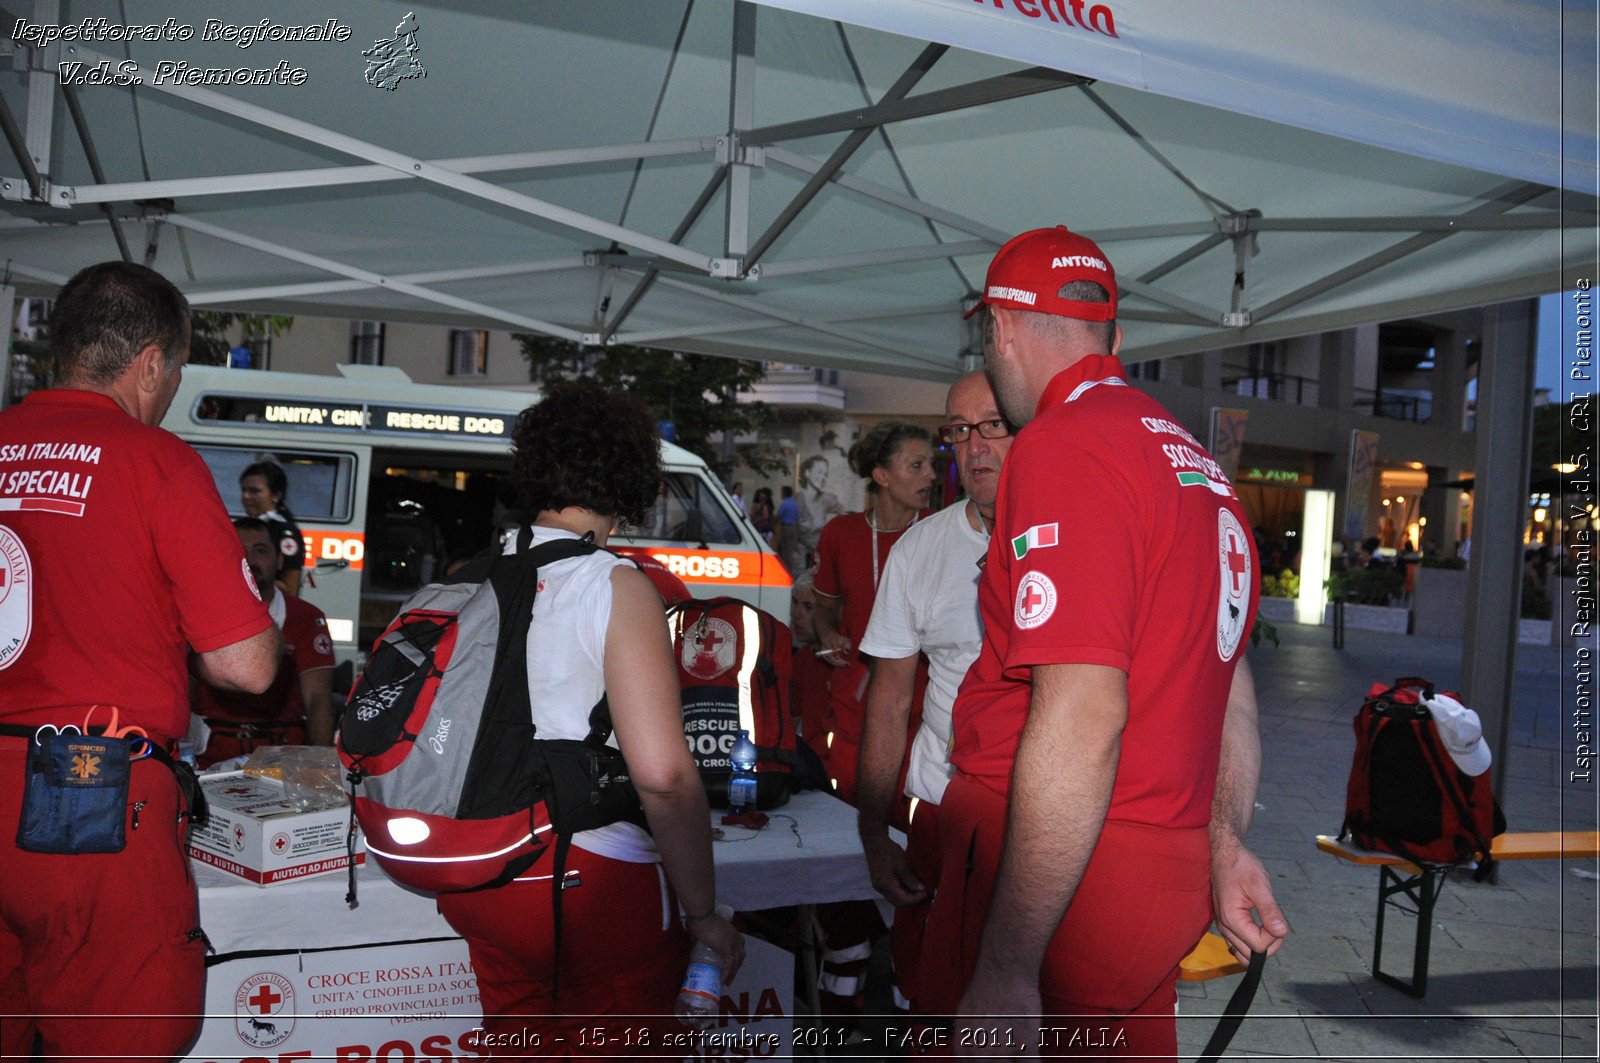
(320, 483)
(687, 511)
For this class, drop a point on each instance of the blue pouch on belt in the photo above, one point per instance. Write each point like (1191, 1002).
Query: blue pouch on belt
(76, 798)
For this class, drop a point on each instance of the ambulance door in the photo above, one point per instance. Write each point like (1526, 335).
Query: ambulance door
(695, 531)
(427, 510)
(328, 496)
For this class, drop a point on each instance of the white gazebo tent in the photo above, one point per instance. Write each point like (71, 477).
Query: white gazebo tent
(823, 181)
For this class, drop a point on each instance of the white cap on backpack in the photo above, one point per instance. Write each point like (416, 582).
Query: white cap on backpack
(1461, 732)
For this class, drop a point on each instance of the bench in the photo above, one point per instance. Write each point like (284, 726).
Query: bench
(1421, 883)
(1210, 959)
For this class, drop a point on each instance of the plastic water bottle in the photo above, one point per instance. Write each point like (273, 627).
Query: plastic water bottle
(742, 783)
(700, 999)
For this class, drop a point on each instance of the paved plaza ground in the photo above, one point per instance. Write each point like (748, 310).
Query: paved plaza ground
(1514, 966)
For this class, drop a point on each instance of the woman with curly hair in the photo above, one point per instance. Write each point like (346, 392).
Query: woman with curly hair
(583, 461)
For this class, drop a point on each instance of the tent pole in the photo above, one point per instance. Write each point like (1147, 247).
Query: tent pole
(415, 167)
(331, 176)
(741, 113)
(1182, 258)
(1027, 82)
(375, 280)
(884, 194)
(887, 256)
(707, 194)
(1501, 199)
(42, 93)
(1211, 202)
(438, 276)
(19, 148)
(81, 124)
(841, 155)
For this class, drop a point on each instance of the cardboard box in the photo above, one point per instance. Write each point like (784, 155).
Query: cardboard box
(257, 833)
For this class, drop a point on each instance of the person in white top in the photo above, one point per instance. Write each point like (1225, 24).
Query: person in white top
(585, 459)
(927, 603)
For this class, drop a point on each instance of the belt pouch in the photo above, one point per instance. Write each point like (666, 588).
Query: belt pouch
(76, 797)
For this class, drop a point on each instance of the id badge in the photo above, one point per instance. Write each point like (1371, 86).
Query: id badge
(76, 799)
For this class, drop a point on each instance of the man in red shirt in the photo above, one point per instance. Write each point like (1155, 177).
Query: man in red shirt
(1087, 812)
(116, 558)
(298, 708)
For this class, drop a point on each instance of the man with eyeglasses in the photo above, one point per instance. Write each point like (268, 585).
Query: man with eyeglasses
(1105, 740)
(927, 603)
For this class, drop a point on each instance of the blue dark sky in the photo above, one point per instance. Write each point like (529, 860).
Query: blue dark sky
(1547, 370)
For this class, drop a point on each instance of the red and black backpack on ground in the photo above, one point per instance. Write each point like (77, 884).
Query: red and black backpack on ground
(1406, 795)
(734, 664)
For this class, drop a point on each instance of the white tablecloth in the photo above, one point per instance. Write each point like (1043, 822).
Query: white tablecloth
(808, 854)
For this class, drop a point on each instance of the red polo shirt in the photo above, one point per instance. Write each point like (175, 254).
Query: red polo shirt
(1118, 542)
(306, 647)
(845, 566)
(116, 556)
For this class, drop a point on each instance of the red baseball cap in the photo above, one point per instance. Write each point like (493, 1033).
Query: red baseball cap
(1030, 269)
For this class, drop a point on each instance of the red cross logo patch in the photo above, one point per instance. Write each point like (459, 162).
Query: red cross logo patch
(1036, 600)
(709, 648)
(264, 1010)
(1233, 599)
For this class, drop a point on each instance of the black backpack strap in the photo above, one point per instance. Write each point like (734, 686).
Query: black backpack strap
(1233, 1014)
(600, 726)
(558, 885)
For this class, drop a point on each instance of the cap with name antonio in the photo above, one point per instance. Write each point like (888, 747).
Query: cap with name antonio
(1030, 269)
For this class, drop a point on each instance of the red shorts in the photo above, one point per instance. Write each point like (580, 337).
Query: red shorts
(1144, 900)
(104, 935)
(623, 953)
(910, 921)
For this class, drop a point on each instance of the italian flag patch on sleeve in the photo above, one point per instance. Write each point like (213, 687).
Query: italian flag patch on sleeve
(1035, 538)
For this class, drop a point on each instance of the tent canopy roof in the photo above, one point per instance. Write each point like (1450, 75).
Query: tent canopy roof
(569, 168)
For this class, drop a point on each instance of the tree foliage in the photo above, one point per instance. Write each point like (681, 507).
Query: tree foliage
(208, 340)
(1559, 436)
(698, 393)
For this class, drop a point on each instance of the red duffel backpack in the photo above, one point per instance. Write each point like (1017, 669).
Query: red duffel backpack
(734, 664)
(1420, 785)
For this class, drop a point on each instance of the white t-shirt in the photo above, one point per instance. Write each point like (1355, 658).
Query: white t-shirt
(566, 670)
(928, 601)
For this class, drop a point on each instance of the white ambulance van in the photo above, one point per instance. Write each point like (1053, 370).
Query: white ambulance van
(391, 480)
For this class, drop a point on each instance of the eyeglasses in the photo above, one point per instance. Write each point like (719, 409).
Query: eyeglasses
(958, 432)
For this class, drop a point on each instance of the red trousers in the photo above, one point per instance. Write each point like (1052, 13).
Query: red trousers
(96, 951)
(623, 953)
(1144, 901)
(910, 921)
